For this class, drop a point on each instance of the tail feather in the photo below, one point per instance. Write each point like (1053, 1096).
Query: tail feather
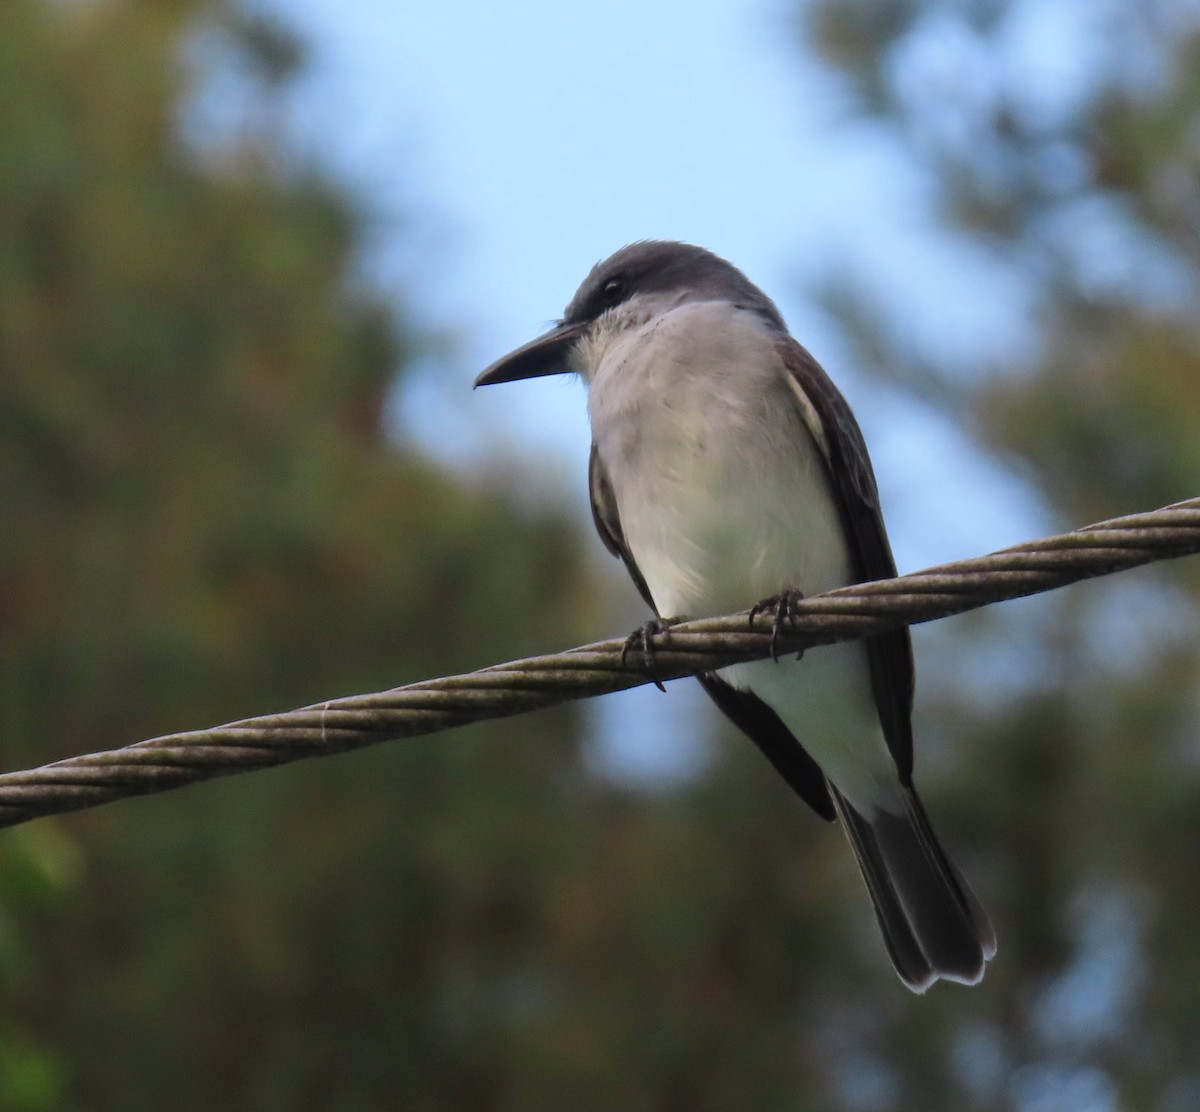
(933, 926)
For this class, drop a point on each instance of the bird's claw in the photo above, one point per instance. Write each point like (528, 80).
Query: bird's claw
(784, 606)
(642, 639)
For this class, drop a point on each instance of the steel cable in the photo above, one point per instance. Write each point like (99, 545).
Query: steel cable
(353, 722)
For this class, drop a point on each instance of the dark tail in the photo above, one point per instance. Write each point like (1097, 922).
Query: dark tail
(933, 926)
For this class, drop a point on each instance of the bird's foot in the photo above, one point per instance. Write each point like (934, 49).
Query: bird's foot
(642, 639)
(783, 605)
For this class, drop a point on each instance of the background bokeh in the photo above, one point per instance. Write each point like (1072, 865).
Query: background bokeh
(252, 254)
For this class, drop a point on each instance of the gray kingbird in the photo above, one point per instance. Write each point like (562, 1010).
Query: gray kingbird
(726, 467)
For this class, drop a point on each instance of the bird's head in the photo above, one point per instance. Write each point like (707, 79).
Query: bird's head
(625, 290)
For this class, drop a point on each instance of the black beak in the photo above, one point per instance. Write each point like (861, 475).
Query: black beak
(546, 355)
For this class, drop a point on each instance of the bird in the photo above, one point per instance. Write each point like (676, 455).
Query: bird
(725, 468)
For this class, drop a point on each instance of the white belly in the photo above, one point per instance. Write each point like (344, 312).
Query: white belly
(722, 492)
(724, 499)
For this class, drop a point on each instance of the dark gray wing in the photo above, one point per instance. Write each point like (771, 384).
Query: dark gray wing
(853, 481)
(746, 711)
(775, 741)
(608, 523)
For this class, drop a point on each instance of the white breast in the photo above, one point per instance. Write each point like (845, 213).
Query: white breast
(721, 488)
(724, 499)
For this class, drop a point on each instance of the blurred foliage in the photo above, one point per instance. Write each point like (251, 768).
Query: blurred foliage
(1060, 141)
(204, 516)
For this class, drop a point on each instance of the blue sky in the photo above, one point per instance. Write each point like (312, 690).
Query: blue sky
(517, 144)
(508, 147)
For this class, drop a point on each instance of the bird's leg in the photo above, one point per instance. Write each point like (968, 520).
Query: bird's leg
(784, 605)
(642, 639)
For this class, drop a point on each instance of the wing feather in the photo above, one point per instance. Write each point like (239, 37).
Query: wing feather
(607, 520)
(853, 482)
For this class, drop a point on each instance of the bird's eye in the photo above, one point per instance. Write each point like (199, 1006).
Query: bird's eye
(612, 290)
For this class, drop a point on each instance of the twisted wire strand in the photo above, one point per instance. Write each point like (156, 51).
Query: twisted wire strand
(353, 722)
